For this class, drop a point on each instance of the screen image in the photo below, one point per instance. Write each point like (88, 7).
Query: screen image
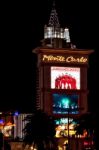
(62, 127)
(64, 104)
(65, 78)
(63, 121)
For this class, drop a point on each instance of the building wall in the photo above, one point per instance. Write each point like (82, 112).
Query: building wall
(19, 125)
(45, 90)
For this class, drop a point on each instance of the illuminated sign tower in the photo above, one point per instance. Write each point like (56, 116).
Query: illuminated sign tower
(62, 72)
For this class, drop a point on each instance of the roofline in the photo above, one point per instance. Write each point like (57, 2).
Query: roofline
(62, 50)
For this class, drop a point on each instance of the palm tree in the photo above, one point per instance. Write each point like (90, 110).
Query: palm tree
(40, 131)
(86, 122)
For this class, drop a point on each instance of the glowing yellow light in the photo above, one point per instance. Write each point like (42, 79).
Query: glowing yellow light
(64, 59)
(32, 148)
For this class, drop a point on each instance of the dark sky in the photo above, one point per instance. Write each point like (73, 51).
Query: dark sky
(22, 29)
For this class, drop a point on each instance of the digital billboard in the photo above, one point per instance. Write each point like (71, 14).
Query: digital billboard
(64, 103)
(62, 127)
(60, 121)
(65, 78)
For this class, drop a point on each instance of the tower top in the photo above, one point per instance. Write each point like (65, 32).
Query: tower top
(53, 21)
(54, 35)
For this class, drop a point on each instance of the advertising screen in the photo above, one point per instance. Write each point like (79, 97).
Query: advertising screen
(63, 125)
(65, 78)
(64, 103)
(60, 121)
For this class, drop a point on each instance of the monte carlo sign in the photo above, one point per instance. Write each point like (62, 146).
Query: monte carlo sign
(65, 59)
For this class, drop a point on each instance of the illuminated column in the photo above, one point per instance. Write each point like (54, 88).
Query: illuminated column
(16, 114)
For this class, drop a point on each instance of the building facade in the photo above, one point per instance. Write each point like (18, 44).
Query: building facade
(61, 77)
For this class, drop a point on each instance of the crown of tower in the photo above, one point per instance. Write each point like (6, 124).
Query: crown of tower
(53, 21)
(54, 35)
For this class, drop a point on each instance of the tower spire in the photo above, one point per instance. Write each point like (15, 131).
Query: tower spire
(53, 21)
(54, 35)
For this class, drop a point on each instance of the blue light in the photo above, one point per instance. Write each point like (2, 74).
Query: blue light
(16, 113)
(1, 121)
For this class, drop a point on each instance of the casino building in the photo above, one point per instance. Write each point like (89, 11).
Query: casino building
(61, 77)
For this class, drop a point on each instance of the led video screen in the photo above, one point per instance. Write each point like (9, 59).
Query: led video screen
(65, 126)
(63, 121)
(64, 104)
(65, 78)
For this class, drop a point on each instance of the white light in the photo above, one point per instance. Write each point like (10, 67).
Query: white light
(66, 35)
(32, 148)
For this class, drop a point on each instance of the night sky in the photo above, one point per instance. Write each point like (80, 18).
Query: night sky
(21, 30)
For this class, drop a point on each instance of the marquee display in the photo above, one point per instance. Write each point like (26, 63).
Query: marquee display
(67, 59)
